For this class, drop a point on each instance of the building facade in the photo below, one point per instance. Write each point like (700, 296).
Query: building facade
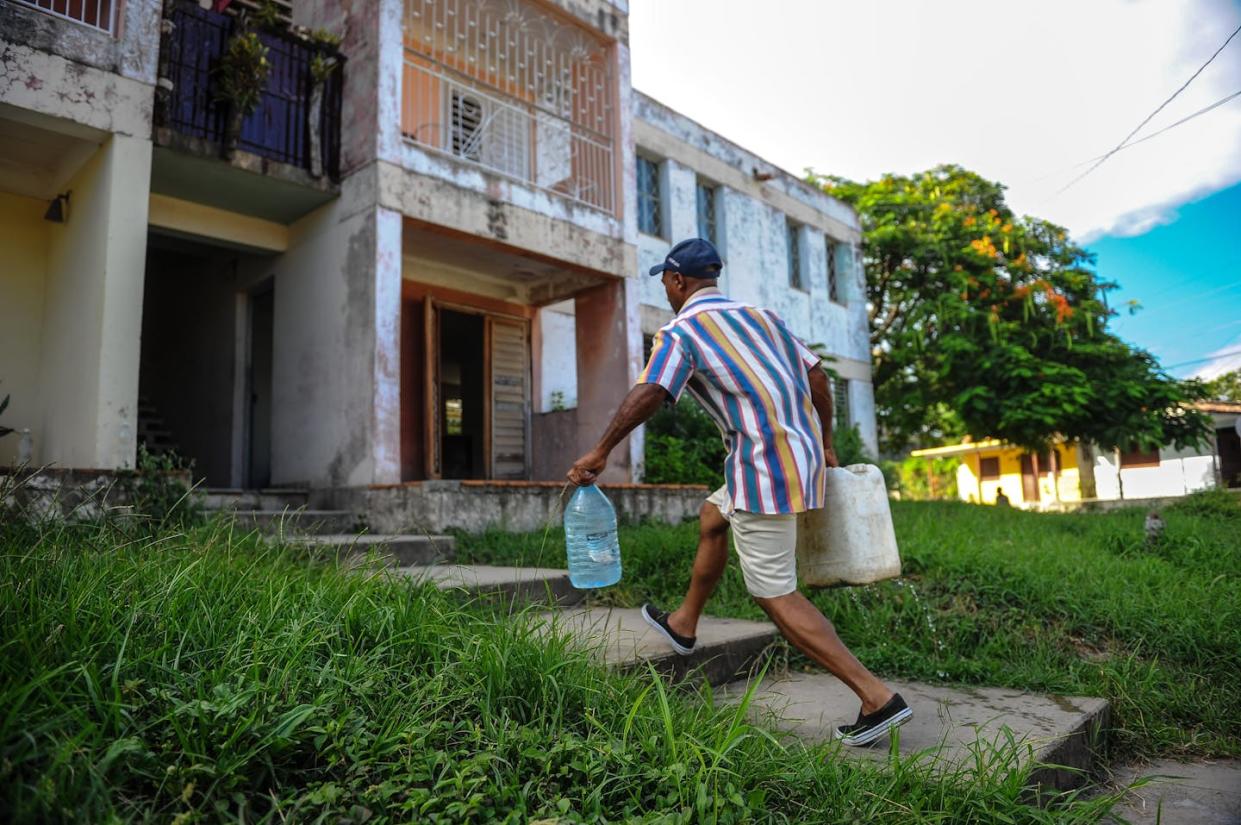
(1067, 475)
(363, 280)
(786, 245)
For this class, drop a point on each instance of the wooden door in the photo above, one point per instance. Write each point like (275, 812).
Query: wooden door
(1029, 481)
(508, 425)
(433, 414)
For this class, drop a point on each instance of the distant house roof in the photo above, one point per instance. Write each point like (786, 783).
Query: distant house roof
(1218, 406)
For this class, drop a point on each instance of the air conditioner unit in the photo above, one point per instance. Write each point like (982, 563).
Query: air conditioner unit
(488, 131)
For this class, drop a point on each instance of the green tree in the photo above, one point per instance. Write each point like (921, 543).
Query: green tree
(987, 323)
(1226, 387)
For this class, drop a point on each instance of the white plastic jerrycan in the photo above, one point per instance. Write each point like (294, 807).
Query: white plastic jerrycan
(851, 539)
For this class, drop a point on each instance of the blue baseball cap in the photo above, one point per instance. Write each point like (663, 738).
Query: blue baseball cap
(694, 258)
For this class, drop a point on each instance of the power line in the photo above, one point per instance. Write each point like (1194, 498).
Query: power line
(1186, 119)
(1217, 356)
(1147, 120)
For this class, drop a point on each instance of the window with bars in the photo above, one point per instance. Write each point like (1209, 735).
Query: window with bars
(98, 14)
(706, 212)
(840, 404)
(791, 233)
(833, 288)
(650, 213)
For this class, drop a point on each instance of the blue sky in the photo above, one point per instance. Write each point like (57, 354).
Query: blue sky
(1187, 276)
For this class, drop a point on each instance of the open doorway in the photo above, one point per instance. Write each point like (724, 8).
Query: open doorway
(259, 361)
(462, 395)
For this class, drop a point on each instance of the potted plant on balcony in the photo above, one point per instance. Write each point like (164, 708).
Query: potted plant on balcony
(242, 77)
(322, 65)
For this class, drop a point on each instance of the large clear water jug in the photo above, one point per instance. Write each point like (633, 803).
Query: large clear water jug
(590, 539)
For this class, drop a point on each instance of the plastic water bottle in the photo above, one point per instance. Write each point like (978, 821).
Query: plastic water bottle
(590, 539)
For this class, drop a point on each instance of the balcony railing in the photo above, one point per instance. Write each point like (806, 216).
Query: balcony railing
(514, 88)
(98, 14)
(280, 127)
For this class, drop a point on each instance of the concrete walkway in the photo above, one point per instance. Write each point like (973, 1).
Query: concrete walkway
(1184, 793)
(950, 724)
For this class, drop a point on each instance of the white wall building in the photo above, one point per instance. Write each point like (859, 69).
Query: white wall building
(786, 245)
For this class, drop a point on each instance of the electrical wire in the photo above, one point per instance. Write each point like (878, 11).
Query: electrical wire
(1147, 119)
(1217, 356)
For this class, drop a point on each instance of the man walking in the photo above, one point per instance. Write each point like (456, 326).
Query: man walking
(769, 396)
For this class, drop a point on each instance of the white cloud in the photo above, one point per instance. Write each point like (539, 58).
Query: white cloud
(1225, 359)
(1021, 93)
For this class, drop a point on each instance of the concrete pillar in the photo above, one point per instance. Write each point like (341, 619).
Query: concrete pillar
(93, 307)
(336, 362)
(609, 348)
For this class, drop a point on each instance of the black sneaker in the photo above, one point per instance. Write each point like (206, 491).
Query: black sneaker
(658, 619)
(871, 726)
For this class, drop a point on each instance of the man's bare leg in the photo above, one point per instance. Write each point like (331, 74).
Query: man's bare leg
(811, 633)
(708, 568)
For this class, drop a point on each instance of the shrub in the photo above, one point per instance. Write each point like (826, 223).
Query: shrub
(1215, 504)
(683, 446)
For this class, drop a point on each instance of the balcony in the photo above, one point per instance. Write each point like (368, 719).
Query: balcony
(515, 89)
(296, 124)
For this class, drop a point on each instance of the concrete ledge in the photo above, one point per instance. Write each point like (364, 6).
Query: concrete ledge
(1062, 734)
(511, 585)
(519, 506)
(727, 649)
(286, 523)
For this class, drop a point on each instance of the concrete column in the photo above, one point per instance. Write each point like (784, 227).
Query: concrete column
(93, 306)
(609, 346)
(336, 362)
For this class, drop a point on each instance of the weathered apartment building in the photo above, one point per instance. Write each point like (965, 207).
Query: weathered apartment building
(419, 257)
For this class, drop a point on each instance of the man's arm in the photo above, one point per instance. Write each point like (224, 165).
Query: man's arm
(642, 402)
(821, 397)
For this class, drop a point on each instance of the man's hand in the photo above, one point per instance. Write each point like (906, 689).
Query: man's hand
(587, 468)
(829, 456)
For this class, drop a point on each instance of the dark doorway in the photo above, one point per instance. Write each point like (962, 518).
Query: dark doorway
(1229, 446)
(262, 313)
(463, 400)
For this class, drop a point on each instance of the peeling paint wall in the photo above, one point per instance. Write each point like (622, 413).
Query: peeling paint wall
(751, 220)
(93, 310)
(132, 53)
(336, 364)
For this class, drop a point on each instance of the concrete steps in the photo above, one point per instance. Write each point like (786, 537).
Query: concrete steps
(511, 585)
(727, 649)
(400, 550)
(275, 498)
(949, 725)
(286, 523)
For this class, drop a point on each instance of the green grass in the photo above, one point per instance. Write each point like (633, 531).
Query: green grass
(1072, 604)
(202, 676)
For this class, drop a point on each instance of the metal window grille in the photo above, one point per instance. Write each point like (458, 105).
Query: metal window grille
(99, 14)
(833, 291)
(792, 230)
(542, 93)
(706, 211)
(650, 215)
(840, 404)
(279, 128)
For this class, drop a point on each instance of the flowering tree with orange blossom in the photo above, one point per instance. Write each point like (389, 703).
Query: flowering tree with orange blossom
(987, 324)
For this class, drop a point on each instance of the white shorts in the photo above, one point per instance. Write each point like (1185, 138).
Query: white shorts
(766, 547)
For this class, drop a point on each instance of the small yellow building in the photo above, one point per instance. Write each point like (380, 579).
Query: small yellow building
(989, 468)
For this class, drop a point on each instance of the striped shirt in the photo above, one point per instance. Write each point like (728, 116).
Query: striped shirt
(749, 373)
